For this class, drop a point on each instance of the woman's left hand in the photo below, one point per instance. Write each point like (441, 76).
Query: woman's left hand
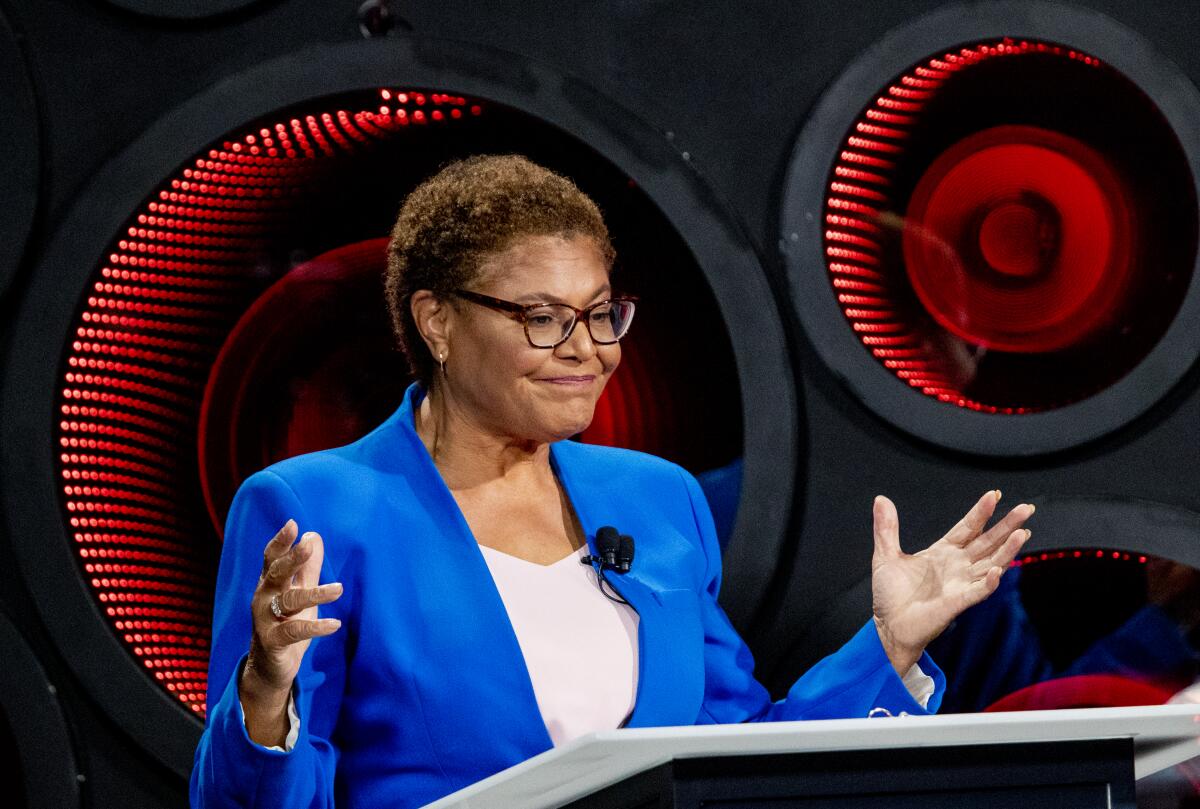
(916, 596)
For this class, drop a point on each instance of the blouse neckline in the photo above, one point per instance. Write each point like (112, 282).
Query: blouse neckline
(575, 554)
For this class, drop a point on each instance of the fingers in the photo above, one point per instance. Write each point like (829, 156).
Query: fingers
(1002, 556)
(886, 529)
(986, 545)
(981, 588)
(309, 574)
(296, 630)
(974, 520)
(990, 570)
(279, 544)
(284, 567)
(298, 599)
(277, 633)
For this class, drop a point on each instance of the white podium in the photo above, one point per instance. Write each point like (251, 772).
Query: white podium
(1067, 759)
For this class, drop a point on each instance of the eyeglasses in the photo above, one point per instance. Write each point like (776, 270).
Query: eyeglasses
(549, 324)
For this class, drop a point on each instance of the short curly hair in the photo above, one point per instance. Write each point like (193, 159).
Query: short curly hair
(469, 209)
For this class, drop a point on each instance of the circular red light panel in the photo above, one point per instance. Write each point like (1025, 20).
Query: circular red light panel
(999, 235)
(239, 319)
(147, 335)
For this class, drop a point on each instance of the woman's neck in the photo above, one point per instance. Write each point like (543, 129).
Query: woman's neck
(468, 454)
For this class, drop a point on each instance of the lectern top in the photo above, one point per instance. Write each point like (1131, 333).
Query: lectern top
(1163, 735)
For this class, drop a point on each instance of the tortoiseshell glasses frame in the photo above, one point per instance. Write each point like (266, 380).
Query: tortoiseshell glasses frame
(612, 324)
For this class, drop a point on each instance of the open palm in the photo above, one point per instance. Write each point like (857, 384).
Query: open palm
(916, 596)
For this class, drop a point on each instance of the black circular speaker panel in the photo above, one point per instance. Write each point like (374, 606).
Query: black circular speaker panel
(310, 362)
(990, 227)
(162, 289)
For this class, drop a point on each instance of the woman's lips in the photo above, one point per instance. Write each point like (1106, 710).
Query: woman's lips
(576, 381)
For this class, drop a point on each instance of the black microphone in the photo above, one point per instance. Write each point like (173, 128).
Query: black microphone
(608, 539)
(615, 550)
(616, 553)
(625, 554)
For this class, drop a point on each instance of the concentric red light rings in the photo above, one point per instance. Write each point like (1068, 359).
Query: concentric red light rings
(1040, 240)
(147, 335)
(857, 218)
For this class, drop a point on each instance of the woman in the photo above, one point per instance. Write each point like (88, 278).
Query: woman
(429, 670)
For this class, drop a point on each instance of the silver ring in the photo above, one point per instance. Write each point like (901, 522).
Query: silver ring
(277, 608)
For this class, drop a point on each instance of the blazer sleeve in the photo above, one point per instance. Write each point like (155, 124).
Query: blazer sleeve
(850, 683)
(230, 769)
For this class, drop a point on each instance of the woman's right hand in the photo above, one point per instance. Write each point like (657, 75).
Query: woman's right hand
(277, 645)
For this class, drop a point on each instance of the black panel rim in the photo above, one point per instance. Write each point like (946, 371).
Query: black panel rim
(20, 130)
(802, 206)
(183, 10)
(1064, 522)
(1164, 529)
(27, 397)
(29, 699)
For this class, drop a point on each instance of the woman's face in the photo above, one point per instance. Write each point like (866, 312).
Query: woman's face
(510, 387)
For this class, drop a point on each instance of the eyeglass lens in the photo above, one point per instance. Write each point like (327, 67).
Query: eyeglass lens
(551, 324)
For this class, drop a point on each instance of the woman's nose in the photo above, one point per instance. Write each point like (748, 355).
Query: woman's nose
(578, 344)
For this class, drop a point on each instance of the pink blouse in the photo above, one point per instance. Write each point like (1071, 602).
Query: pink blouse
(580, 647)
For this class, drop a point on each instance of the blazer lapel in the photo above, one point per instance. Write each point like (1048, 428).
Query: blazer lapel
(481, 656)
(670, 638)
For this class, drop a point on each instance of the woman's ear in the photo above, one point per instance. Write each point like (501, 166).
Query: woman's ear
(433, 318)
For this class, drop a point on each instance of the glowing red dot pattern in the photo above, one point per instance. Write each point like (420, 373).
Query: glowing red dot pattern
(1048, 556)
(149, 330)
(860, 199)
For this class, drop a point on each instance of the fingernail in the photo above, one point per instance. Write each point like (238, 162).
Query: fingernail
(1028, 534)
(333, 622)
(998, 495)
(335, 587)
(1032, 508)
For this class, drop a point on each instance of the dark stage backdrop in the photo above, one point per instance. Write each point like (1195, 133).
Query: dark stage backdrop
(920, 249)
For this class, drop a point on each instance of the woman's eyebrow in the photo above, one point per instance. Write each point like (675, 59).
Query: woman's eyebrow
(546, 297)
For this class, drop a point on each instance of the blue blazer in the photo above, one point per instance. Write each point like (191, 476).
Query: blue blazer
(424, 689)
